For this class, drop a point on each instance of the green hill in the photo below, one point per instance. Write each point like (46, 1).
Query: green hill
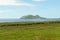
(31, 17)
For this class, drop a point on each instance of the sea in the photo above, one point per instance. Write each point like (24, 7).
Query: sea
(27, 20)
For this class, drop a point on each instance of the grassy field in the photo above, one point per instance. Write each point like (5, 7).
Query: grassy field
(30, 31)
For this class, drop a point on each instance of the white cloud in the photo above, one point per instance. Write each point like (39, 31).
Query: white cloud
(4, 11)
(39, 0)
(7, 2)
(14, 2)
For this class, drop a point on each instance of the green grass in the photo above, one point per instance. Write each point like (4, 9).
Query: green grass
(29, 31)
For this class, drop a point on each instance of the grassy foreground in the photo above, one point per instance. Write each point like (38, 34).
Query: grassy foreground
(30, 31)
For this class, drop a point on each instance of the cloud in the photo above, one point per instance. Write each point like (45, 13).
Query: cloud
(7, 2)
(14, 3)
(4, 11)
(39, 0)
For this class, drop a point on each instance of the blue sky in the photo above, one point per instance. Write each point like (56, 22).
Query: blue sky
(18, 8)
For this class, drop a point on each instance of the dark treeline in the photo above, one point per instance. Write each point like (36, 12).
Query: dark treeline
(24, 24)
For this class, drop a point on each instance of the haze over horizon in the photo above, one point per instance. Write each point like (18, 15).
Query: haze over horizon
(17, 8)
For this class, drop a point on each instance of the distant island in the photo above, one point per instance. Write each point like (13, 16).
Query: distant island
(32, 17)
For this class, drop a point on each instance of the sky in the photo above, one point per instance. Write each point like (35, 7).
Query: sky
(17, 8)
